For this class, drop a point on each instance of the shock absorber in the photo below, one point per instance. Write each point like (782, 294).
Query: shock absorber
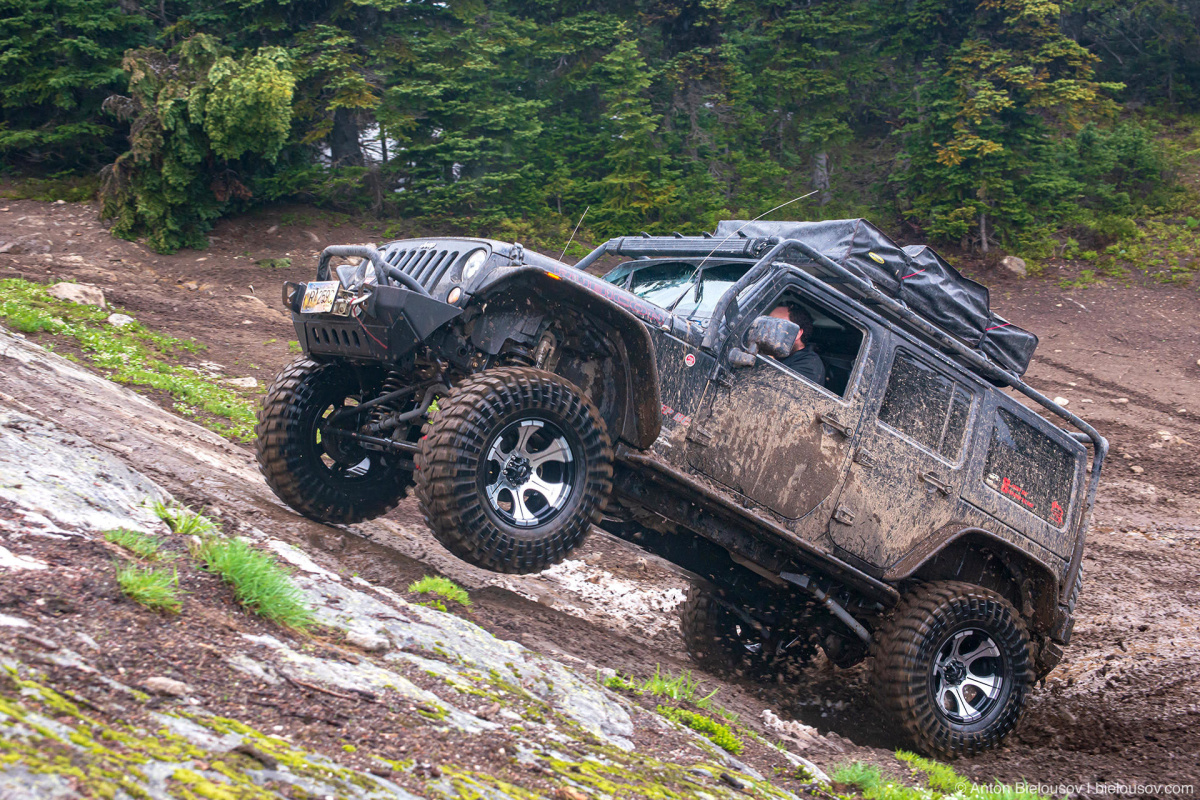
(393, 383)
(388, 414)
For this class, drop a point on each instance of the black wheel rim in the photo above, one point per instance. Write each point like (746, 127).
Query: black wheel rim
(969, 676)
(530, 470)
(338, 458)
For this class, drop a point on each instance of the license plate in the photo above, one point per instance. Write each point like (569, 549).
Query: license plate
(319, 297)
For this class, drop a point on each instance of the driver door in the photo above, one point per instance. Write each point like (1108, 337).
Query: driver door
(771, 435)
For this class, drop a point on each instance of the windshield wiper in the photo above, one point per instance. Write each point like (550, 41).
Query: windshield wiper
(694, 282)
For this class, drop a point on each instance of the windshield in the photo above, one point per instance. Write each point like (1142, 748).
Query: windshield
(673, 282)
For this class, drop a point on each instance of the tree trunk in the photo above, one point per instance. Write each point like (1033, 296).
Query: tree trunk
(344, 149)
(983, 240)
(821, 177)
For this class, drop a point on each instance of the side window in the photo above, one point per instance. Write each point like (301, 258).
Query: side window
(832, 347)
(1029, 468)
(926, 406)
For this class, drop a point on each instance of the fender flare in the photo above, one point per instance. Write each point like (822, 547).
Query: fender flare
(642, 417)
(1027, 566)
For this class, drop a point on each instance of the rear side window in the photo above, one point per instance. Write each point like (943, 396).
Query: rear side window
(1029, 468)
(926, 406)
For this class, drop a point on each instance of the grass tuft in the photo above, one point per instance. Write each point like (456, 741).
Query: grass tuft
(864, 777)
(183, 520)
(131, 355)
(717, 733)
(142, 545)
(274, 263)
(443, 588)
(683, 687)
(259, 582)
(942, 780)
(156, 589)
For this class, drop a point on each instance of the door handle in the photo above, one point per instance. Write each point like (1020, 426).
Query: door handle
(833, 423)
(937, 483)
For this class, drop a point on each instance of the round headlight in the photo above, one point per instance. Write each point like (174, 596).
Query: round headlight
(473, 263)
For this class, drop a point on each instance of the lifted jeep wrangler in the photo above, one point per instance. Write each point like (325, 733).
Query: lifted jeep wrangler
(918, 507)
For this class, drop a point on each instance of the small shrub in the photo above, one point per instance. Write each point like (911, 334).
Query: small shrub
(156, 589)
(274, 263)
(718, 734)
(1113, 270)
(443, 588)
(71, 189)
(258, 582)
(1086, 279)
(864, 777)
(142, 545)
(294, 347)
(183, 520)
(620, 683)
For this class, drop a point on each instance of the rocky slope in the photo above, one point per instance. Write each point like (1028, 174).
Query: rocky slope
(385, 697)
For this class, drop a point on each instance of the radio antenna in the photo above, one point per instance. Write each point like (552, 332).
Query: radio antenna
(730, 236)
(756, 219)
(577, 224)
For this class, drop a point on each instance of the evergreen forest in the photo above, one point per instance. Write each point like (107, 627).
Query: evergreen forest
(982, 125)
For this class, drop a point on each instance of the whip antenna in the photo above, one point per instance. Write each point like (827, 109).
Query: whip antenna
(577, 224)
(727, 238)
(756, 219)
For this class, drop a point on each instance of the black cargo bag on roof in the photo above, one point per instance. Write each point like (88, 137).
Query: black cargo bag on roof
(1007, 345)
(915, 275)
(849, 242)
(940, 294)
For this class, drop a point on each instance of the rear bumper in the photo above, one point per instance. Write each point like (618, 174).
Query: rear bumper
(386, 327)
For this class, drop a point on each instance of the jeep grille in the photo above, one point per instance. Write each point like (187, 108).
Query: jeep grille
(426, 265)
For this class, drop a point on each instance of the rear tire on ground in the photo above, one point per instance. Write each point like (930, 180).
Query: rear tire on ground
(725, 644)
(953, 666)
(318, 476)
(514, 469)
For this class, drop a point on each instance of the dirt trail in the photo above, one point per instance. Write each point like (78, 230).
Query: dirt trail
(1122, 707)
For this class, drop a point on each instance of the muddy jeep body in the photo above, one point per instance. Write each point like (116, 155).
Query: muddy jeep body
(807, 515)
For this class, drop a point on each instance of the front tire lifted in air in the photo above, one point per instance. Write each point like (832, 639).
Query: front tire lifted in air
(323, 476)
(514, 469)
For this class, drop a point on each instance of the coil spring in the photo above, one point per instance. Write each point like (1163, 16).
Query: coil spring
(393, 381)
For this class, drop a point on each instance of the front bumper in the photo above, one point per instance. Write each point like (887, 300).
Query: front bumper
(386, 326)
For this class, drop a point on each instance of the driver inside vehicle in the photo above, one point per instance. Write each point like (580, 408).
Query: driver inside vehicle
(803, 360)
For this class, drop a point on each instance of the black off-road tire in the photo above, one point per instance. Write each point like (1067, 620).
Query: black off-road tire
(294, 462)
(706, 630)
(452, 468)
(925, 623)
(713, 637)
